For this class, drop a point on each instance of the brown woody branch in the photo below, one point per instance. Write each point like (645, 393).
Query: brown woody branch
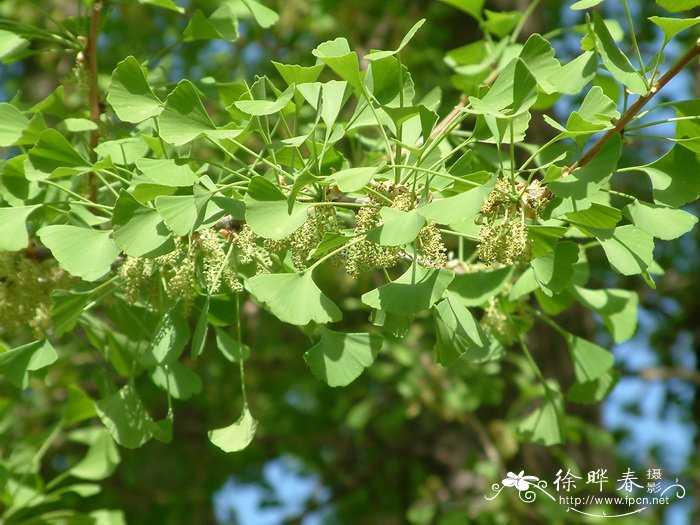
(666, 373)
(635, 108)
(94, 95)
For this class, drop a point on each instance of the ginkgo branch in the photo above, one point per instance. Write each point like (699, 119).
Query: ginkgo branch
(635, 108)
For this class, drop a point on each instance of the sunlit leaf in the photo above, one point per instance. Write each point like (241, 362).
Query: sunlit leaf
(416, 290)
(590, 360)
(378, 55)
(82, 252)
(178, 380)
(673, 177)
(267, 210)
(294, 298)
(15, 364)
(236, 436)
(130, 95)
(13, 228)
(615, 60)
(397, 228)
(12, 124)
(617, 308)
(660, 221)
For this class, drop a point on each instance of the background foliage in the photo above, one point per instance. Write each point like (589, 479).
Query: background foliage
(126, 332)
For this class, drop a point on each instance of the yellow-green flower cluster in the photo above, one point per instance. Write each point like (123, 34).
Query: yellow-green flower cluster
(207, 250)
(498, 322)
(365, 255)
(216, 262)
(431, 248)
(499, 199)
(504, 236)
(25, 292)
(506, 242)
(306, 238)
(135, 271)
(247, 249)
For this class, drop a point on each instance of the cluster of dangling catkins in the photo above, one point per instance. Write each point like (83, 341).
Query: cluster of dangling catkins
(504, 236)
(208, 260)
(301, 243)
(366, 255)
(25, 292)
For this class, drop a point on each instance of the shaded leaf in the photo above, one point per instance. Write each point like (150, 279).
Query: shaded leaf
(339, 358)
(458, 334)
(125, 417)
(545, 424)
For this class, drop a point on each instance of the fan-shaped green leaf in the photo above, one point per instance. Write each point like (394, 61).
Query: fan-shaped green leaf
(15, 364)
(615, 60)
(378, 55)
(125, 417)
(130, 95)
(222, 24)
(101, 459)
(674, 177)
(660, 221)
(339, 358)
(457, 333)
(460, 208)
(180, 381)
(13, 228)
(397, 228)
(12, 124)
(617, 308)
(140, 230)
(267, 210)
(82, 252)
(294, 298)
(336, 55)
(237, 436)
(416, 290)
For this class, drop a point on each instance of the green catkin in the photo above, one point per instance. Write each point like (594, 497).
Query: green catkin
(497, 321)
(306, 238)
(431, 248)
(365, 255)
(507, 242)
(25, 292)
(505, 238)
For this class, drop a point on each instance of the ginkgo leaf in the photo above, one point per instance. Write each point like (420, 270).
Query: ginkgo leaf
(294, 298)
(236, 436)
(339, 358)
